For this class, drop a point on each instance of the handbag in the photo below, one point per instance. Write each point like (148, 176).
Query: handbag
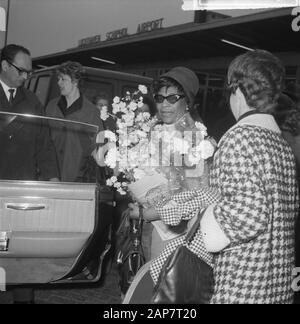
(185, 278)
(130, 254)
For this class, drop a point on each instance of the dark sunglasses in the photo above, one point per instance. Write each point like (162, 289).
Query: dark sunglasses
(172, 99)
(21, 71)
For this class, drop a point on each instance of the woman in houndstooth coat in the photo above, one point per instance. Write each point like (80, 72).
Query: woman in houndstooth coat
(251, 228)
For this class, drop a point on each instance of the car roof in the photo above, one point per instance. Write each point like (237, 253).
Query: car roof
(105, 73)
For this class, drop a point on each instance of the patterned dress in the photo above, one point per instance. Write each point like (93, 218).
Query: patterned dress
(254, 169)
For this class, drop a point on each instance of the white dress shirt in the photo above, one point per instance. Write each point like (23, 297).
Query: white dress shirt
(6, 89)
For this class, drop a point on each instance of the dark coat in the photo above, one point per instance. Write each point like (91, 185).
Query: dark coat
(27, 151)
(73, 143)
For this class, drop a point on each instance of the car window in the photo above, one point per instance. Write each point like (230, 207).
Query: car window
(73, 144)
(32, 84)
(93, 87)
(42, 86)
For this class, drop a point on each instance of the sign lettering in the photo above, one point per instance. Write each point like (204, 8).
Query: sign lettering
(89, 40)
(120, 33)
(148, 26)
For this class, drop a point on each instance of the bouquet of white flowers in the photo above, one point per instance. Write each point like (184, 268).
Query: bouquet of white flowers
(152, 160)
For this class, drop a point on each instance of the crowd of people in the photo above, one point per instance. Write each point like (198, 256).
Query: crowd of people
(250, 202)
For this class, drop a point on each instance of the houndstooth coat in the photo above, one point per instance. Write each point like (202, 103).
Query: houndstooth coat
(254, 169)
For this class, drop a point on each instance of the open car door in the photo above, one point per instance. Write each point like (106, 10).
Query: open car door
(53, 232)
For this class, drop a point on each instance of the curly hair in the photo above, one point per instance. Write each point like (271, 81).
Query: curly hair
(73, 69)
(260, 77)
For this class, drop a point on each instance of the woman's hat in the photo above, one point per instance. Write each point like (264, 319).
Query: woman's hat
(187, 79)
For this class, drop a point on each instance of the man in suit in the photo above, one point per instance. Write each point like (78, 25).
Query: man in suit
(27, 152)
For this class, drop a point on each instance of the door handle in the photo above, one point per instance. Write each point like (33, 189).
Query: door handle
(25, 207)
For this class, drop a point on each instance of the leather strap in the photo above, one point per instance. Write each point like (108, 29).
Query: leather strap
(191, 233)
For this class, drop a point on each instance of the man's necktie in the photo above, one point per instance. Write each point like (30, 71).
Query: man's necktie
(11, 95)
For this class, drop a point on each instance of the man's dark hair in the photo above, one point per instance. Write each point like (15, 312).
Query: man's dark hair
(10, 51)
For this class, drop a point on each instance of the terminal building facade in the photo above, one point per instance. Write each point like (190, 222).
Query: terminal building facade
(206, 45)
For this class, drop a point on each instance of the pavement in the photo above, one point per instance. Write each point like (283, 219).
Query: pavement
(104, 292)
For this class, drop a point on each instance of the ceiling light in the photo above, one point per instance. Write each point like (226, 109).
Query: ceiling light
(237, 45)
(102, 60)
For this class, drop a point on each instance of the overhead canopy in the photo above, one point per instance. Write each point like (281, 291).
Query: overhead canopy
(270, 30)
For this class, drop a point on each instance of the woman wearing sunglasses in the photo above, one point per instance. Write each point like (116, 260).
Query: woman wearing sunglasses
(174, 95)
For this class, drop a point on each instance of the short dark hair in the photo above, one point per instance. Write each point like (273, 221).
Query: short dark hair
(166, 82)
(260, 76)
(73, 69)
(10, 51)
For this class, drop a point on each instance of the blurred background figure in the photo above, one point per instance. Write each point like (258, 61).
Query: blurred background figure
(101, 100)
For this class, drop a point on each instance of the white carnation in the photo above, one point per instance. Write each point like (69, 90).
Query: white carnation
(116, 108)
(114, 179)
(206, 149)
(110, 135)
(116, 100)
(133, 106)
(121, 191)
(143, 89)
(202, 129)
(104, 113)
(111, 158)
